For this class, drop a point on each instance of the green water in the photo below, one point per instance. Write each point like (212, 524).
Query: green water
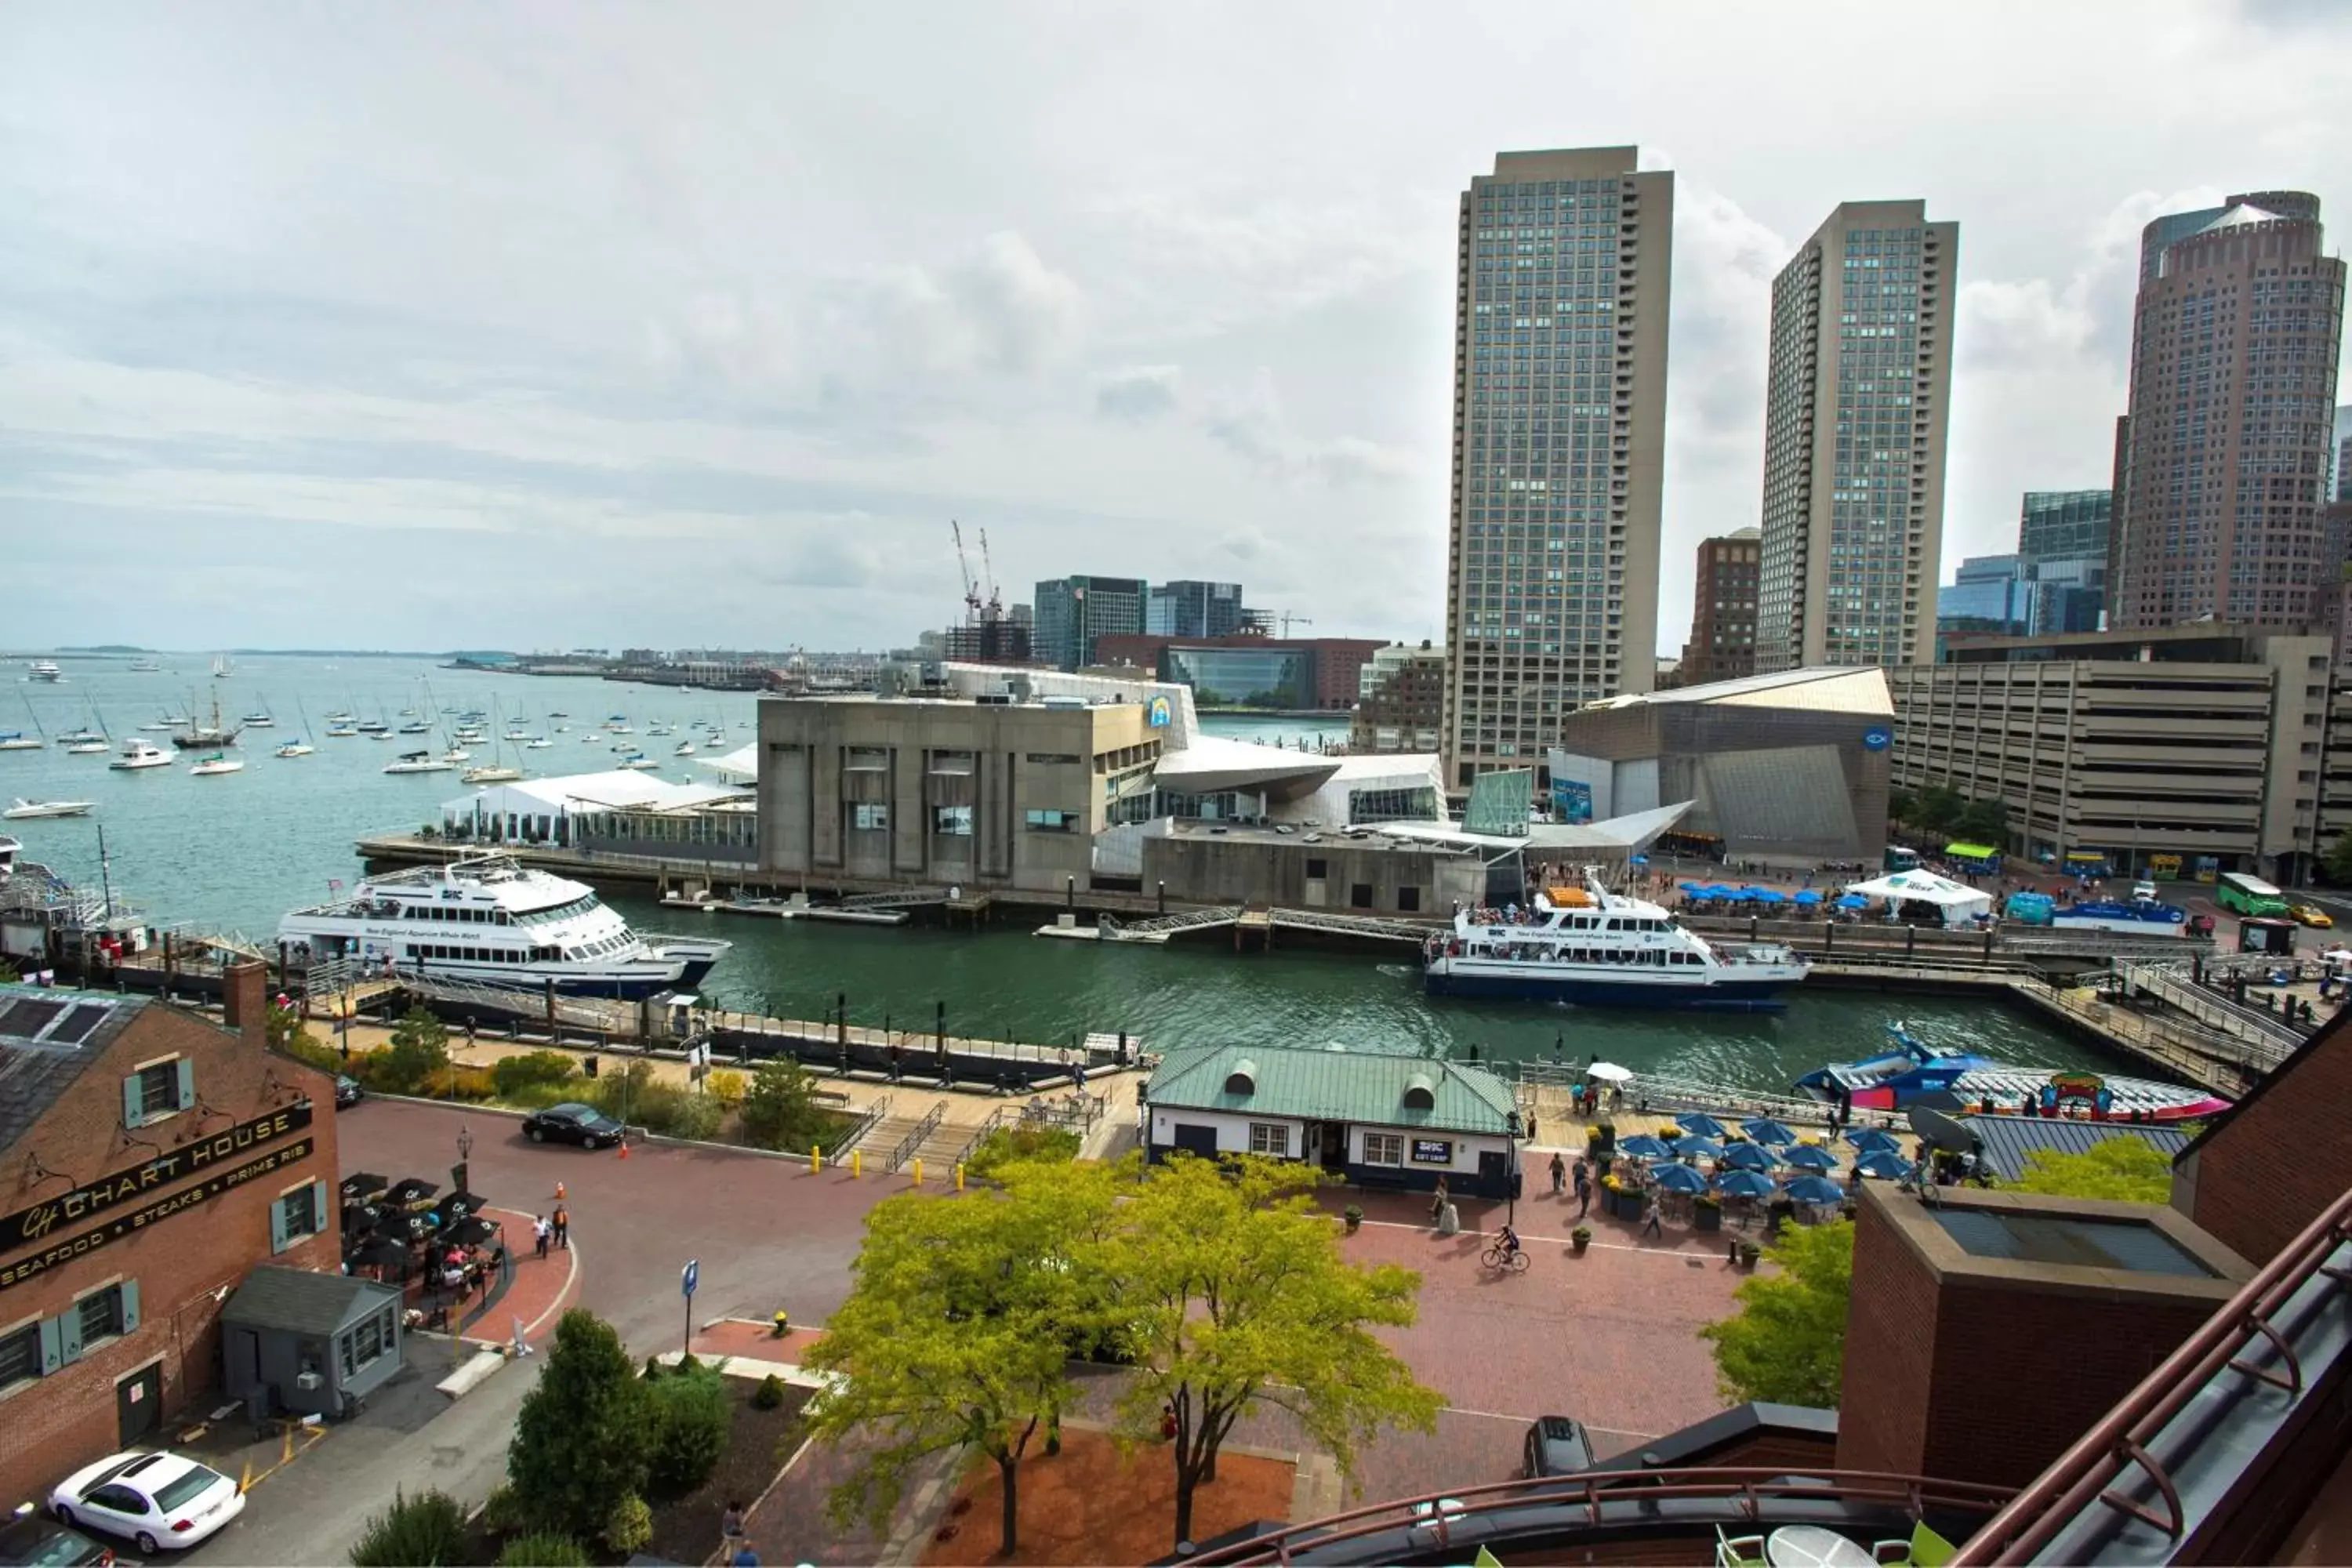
(237, 852)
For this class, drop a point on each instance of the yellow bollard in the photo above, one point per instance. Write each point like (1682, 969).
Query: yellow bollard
(959, 1175)
(858, 1164)
(817, 1158)
(918, 1170)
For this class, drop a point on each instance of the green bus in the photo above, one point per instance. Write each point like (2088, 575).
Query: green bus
(2248, 895)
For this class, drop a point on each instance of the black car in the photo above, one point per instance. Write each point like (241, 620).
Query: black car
(1556, 1447)
(36, 1541)
(348, 1091)
(571, 1124)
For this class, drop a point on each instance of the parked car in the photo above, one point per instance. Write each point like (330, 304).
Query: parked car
(571, 1124)
(153, 1498)
(2311, 915)
(348, 1091)
(1556, 1445)
(2143, 893)
(28, 1540)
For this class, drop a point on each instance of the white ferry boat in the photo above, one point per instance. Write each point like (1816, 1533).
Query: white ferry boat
(487, 918)
(46, 671)
(1589, 945)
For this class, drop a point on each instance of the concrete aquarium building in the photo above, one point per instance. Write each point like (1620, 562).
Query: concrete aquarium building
(1789, 769)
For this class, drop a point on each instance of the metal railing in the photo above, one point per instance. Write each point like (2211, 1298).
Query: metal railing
(996, 1119)
(1637, 1501)
(2211, 1008)
(1191, 920)
(865, 1122)
(914, 1139)
(2090, 1474)
(1415, 932)
(913, 898)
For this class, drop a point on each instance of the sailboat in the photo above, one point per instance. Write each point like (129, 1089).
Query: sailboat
(87, 741)
(261, 718)
(18, 740)
(493, 771)
(207, 737)
(218, 762)
(300, 745)
(222, 668)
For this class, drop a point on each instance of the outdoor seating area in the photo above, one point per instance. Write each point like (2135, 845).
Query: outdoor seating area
(443, 1251)
(1704, 1175)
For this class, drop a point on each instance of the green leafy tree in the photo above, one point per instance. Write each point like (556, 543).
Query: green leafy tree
(581, 1438)
(2337, 861)
(1936, 808)
(1009, 1146)
(417, 1055)
(780, 1108)
(956, 1329)
(2126, 1168)
(691, 1415)
(1786, 1344)
(1231, 1292)
(1900, 805)
(1984, 822)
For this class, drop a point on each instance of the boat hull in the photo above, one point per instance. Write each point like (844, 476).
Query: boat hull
(1730, 996)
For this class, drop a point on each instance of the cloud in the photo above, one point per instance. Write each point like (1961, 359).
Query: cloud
(1141, 393)
(1253, 428)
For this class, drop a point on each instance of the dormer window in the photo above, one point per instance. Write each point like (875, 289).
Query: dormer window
(1242, 1080)
(1419, 1092)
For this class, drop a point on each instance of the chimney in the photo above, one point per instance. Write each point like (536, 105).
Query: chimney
(244, 1000)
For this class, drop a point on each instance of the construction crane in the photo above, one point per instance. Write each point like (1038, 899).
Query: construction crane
(988, 580)
(970, 588)
(1287, 617)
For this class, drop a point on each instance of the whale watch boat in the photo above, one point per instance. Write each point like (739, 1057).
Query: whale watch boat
(1589, 945)
(1912, 1069)
(486, 917)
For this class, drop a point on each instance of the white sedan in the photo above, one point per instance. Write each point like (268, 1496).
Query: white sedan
(157, 1500)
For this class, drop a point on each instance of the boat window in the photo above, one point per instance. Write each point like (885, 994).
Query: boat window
(1609, 925)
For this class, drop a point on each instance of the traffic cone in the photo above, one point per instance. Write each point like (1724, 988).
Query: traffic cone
(624, 1148)
(559, 1191)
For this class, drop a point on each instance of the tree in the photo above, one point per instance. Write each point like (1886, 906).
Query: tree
(957, 1329)
(1984, 821)
(2123, 1167)
(1900, 805)
(581, 1438)
(780, 1108)
(427, 1528)
(1231, 1291)
(1786, 1344)
(691, 1419)
(2337, 861)
(1936, 808)
(417, 1054)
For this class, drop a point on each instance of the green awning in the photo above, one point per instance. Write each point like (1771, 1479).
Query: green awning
(1971, 851)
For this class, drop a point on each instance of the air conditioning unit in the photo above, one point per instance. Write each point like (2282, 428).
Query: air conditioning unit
(310, 1382)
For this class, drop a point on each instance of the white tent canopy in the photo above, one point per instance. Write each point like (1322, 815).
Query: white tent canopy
(1959, 902)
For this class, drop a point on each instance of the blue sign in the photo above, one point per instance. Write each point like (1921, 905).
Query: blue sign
(689, 1276)
(1572, 801)
(1878, 737)
(1158, 713)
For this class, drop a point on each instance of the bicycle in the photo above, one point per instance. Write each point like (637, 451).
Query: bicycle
(1497, 1260)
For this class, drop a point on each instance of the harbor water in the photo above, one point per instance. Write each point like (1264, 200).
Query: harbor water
(234, 853)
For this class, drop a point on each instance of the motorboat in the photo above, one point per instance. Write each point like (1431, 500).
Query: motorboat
(489, 773)
(1589, 945)
(218, 762)
(45, 670)
(485, 917)
(557, 713)
(639, 762)
(145, 667)
(139, 754)
(536, 744)
(24, 809)
(1911, 1069)
(419, 763)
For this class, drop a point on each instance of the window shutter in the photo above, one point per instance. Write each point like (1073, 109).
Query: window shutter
(187, 1084)
(53, 1346)
(319, 1209)
(277, 1225)
(69, 1333)
(130, 1306)
(134, 1106)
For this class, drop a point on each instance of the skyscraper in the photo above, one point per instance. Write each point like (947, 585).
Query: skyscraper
(2221, 464)
(1559, 393)
(1188, 609)
(1074, 613)
(1856, 400)
(1722, 643)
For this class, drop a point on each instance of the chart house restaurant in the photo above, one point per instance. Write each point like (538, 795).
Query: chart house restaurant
(1378, 1120)
(148, 1162)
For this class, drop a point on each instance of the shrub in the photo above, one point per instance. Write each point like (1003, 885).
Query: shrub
(1012, 1145)
(691, 1415)
(695, 1116)
(514, 1073)
(780, 1110)
(726, 1087)
(542, 1550)
(465, 1083)
(426, 1529)
(629, 1525)
(502, 1510)
(539, 1096)
(770, 1394)
(580, 1439)
(418, 1054)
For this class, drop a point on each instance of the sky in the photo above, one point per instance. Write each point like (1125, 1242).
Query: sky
(550, 325)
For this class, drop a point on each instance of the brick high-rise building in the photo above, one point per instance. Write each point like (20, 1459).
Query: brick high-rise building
(1856, 407)
(1560, 392)
(2222, 461)
(1722, 643)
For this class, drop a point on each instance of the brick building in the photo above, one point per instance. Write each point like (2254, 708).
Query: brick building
(2256, 1174)
(1399, 701)
(1722, 643)
(151, 1160)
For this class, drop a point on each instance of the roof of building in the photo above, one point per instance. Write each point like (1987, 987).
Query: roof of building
(48, 1037)
(621, 787)
(2238, 216)
(1626, 833)
(2324, 1039)
(2005, 1141)
(1214, 763)
(1333, 1085)
(304, 1302)
(1837, 688)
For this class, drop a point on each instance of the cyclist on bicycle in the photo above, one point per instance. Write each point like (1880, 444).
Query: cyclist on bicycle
(1510, 1244)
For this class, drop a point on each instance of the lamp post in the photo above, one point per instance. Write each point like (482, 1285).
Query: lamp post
(464, 1141)
(1511, 1177)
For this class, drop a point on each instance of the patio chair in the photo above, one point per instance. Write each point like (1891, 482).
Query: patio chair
(1925, 1549)
(1738, 1551)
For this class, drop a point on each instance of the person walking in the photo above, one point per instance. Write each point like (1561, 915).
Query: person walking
(1583, 1189)
(540, 1234)
(1437, 1201)
(730, 1527)
(1558, 1173)
(563, 1227)
(1650, 1226)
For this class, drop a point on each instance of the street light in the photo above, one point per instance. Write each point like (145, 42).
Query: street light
(465, 1143)
(1511, 1190)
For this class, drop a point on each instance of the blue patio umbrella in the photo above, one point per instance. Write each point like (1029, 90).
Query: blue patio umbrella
(1680, 1179)
(1865, 1139)
(1852, 901)
(1766, 1131)
(1692, 887)
(1883, 1162)
(1748, 1157)
(1810, 1157)
(1697, 1147)
(1640, 859)
(1642, 1146)
(1813, 1190)
(1767, 895)
(1807, 896)
(1742, 895)
(1700, 1125)
(1744, 1185)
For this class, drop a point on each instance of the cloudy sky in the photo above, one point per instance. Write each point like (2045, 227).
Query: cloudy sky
(542, 325)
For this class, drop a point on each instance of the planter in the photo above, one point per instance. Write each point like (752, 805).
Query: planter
(1749, 1253)
(1707, 1217)
(1355, 1218)
(1578, 1239)
(1623, 1204)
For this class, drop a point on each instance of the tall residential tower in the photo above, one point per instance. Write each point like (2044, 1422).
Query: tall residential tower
(1559, 403)
(2221, 465)
(1855, 407)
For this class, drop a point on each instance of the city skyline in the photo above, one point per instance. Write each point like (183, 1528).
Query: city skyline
(630, 326)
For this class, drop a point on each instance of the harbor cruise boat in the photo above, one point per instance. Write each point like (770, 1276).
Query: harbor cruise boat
(1589, 945)
(486, 917)
(1910, 1070)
